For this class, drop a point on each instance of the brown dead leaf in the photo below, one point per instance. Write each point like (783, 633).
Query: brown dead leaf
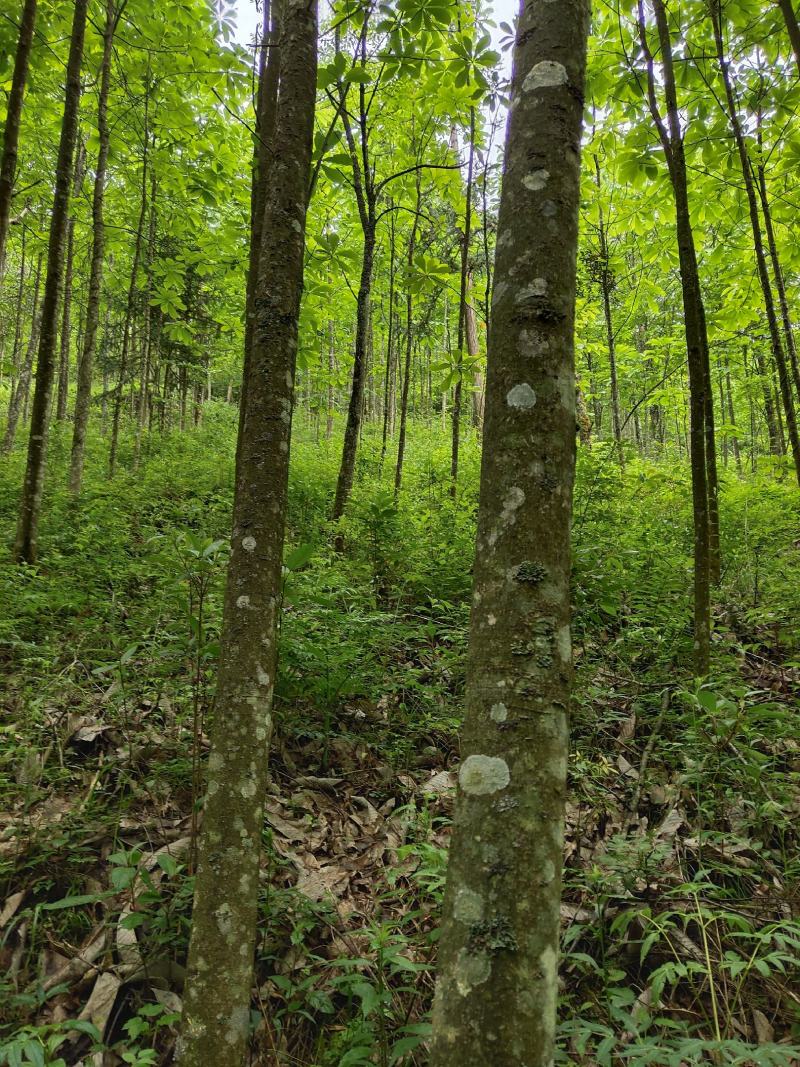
(11, 907)
(100, 1004)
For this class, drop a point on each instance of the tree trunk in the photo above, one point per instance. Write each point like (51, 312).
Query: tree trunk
(137, 255)
(695, 326)
(263, 154)
(787, 7)
(474, 352)
(331, 369)
(352, 430)
(364, 187)
(606, 281)
(83, 393)
(732, 417)
(20, 392)
(758, 241)
(147, 330)
(17, 349)
(8, 162)
(66, 302)
(462, 311)
(498, 953)
(31, 503)
(780, 283)
(401, 439)
(216, 1014)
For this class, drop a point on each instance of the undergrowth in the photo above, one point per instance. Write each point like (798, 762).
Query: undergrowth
(681, 939)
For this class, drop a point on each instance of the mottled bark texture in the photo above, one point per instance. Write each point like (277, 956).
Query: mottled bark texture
(217, 996)
(496, 994)
(31, 502)
(8, 161)
(83, 392)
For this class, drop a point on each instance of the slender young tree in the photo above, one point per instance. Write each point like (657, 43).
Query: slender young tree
(31, 503)
(86, 362)
(497, 986)
(19, 394)
(8, 161)
(704, 502)
(717, 21)
(217, 998)
(462, 309)
(66, 300)
(366, 193)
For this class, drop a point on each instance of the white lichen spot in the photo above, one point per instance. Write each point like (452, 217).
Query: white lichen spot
(564, 642)
(521, 397)
(472, 969)
(468, 906)
(238, 1025)
(263, 677)
(545, 75)
(481, 775)
(536, 180)
(213, 787)
(499, 713)
(261, 733)
(514, 500)
(548, 872)
(243, 602)
(215, 763)
(248, 543)
(499, 291)
(248, 788)
(224, 917)
(491, 620)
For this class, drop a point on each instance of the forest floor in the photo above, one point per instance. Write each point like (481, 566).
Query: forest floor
(681, 907)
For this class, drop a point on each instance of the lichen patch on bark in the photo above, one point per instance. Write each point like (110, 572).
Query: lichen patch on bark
(483, 775)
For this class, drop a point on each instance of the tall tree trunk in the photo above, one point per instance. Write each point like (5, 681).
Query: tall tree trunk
(474, 352)
(498, 953)
(366, 196)
(147, 330)
(17, 349)
(129, 306)
(263, 154)
(732, 417)
(790, 18)
(216, 1013)
(331, 370)
(758, 240)
(8, 161)
(462, 309)
(83, 392)
(387, 391)
(780, 283)
(606, 282)
(31, 503)
(401, 439)
(671, 137)
(66, 301)
(19, 394)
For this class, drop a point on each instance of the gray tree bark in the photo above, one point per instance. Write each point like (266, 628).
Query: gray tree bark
(83, 393)
(496, 995)
(31, 503)
(217, 996)
(8, 162)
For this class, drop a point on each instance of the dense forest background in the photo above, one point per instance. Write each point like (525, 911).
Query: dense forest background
(121, 370)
